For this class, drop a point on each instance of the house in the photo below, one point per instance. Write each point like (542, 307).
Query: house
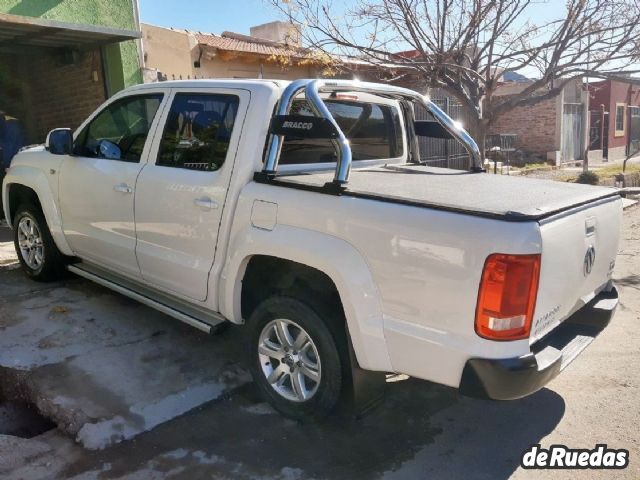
(271, 50)
(551, 130)
(58, 62)
(614, 119)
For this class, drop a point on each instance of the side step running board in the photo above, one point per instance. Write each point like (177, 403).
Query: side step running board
(198, 318)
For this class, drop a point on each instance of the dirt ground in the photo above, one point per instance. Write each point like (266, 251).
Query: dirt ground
(419, 431)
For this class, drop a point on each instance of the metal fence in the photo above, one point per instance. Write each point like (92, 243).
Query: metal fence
(596, 130)
(503, 142)
(437, 152)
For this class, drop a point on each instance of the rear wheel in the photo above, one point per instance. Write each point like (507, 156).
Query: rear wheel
(40, 258)
(296, 360)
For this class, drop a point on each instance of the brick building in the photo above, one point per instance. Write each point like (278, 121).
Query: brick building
(59, 62)
(615, 119)
(536, 127)
(552, 129)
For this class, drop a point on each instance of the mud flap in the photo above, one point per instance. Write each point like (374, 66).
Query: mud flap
(364, 389)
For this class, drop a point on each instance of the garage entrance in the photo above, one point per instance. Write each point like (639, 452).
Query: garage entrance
(54, 74)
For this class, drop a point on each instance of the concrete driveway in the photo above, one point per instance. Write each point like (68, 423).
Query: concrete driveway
(97, 363)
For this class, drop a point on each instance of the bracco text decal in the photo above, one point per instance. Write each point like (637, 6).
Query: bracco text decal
(298, 125)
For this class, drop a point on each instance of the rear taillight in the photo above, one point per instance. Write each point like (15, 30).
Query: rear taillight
(507, 296)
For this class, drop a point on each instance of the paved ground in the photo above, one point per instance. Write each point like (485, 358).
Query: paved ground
(420, 430)
(88, 359)
(7, 250)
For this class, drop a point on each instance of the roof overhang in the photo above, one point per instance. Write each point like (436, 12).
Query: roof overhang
(17, 30)
(210, 52)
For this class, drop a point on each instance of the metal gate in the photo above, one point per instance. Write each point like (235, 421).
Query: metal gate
(634, 131)
(572, 132)
(437, 152)
(596, 130)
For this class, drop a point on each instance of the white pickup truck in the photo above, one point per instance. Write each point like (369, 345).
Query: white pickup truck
(302, 211)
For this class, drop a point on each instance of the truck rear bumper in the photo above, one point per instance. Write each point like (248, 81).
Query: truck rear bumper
(511, 378)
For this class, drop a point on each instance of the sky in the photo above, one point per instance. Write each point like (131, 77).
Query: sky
(208, 16)
(217, 16)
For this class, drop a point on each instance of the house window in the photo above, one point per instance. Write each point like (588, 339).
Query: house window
(620, 119)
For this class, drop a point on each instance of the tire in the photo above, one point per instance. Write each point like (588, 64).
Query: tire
(275, 364)
(38, 254)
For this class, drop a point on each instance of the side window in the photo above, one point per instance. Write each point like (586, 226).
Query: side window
(198, 131)
(119, 132)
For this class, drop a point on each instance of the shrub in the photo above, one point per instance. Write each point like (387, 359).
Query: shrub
(588, 177)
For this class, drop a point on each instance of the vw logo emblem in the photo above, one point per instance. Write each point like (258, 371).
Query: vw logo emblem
(589, 260)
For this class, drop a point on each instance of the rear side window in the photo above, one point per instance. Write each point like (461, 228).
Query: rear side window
(373, 131)
(198, 131)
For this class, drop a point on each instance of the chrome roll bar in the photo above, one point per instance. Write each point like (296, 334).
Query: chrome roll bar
(312, 90)
(275, 141)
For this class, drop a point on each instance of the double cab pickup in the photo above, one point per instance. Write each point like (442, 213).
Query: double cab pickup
(303, 212)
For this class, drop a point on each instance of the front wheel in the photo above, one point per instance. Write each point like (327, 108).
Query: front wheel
(37, 252)
(295, 357)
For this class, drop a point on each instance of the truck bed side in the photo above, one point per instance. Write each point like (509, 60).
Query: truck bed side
(426, 265)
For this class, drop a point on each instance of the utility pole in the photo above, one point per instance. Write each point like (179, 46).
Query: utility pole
(587, 123)
(587, 113)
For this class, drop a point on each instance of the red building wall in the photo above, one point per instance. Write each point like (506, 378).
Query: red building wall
(609, 93)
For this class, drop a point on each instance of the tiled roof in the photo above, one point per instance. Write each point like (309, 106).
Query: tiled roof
(242, 43)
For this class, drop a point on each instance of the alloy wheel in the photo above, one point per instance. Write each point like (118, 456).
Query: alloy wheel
(289, 360)
(30, 243)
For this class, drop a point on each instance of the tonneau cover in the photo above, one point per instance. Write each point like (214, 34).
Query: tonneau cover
(511, 198)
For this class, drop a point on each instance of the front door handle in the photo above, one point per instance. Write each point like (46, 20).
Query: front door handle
(123, 188)
(206, 203)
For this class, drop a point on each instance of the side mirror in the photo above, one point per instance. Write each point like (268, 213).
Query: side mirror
(59, 141)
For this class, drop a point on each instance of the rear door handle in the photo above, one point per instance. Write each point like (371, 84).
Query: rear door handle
(123, 188)
(205, 202)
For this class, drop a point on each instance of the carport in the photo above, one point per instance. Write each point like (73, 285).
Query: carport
(53, 74)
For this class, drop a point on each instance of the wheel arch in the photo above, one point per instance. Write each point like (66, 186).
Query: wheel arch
(266, 275)
(333, 259)
(25, 184)
(18, 195)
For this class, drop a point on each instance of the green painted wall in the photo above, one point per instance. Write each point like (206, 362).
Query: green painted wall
(124, 69)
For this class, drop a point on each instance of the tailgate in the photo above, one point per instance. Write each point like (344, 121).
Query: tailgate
(579, 250)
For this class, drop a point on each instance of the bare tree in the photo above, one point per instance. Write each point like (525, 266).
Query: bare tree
(466, 46)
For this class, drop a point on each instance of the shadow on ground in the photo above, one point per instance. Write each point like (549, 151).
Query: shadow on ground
(6, 235)
(419, 430)
(632, 280)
